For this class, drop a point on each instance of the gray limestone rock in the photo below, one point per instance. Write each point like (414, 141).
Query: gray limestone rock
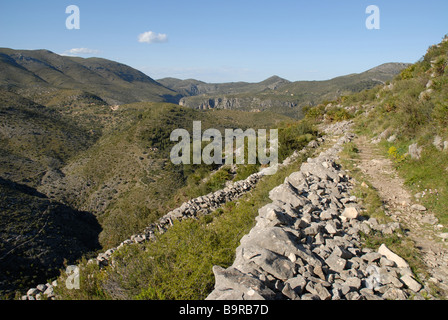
(247, 286)
(285, 193)
(277, 265)
(274, 239)
(411, 283)
(415, 151)
(335, 262)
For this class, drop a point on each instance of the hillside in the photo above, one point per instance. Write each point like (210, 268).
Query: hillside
(330, 220)
(79, 176)
(277, 94)
(103, 169)
(32, 72)
(191, 87)
(409, 119)
(403, 150)
(126, 178)
(38, 235)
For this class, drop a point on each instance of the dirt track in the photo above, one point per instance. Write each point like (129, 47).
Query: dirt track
(421, 226)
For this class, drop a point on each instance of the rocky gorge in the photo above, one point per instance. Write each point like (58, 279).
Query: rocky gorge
(306, 245)
(256, 104)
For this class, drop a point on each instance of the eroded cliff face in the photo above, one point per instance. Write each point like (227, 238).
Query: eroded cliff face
(252, 104)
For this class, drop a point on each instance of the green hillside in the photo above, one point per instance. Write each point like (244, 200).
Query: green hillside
(178, 265)
(104, 168)
(126, 178)
(85, 157)
(277, 94)
(38, 235)
(31, 72)
(410, 110)
(73, 147)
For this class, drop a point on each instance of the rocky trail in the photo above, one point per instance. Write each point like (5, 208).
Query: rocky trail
(420, 224)
(306, 244)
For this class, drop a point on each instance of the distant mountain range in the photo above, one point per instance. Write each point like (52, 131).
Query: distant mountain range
(275, 93)
(33, 72)
(191, 87)
(46, 78)
(84, 147)
(351, 82)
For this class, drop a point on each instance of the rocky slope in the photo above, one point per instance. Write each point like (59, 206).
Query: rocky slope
(306, 245)
(32, 73)
(278, 94)
(191, 209)
(243, 103)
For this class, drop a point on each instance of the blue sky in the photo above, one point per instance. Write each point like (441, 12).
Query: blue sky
(229, 40)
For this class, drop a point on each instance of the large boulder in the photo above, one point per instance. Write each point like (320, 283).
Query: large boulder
(272, 215)
(274, 239)
(317, 169)
(297, 180)
(399, 261)
(286, 194)
(233, 284)
(277, 265)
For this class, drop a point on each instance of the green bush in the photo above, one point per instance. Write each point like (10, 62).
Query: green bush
(218, 180)
(397, 155)
(245, 171)
(408, 73)
(294, 136)
(314, 114)
(412, 115)
(338, 114)
(440, 114)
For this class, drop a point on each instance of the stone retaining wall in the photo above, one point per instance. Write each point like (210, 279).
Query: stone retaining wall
(306, 244)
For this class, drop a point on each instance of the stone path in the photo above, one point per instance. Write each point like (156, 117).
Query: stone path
(422, 226)
(306, 245)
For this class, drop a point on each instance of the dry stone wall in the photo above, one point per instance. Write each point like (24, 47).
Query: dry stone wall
(191, 209)
(306, 244)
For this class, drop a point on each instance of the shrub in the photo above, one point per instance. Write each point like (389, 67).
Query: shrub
(293, 137)
(245, 171)
(440, 113)
(407, 73)
(397, 155)
(440, 65)
(314, 114)
(338, 114)
(413, 115)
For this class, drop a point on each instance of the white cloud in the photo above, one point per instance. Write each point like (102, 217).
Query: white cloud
(80, 51)
(152, 37)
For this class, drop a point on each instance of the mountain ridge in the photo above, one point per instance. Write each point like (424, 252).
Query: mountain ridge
(276, 93)
(68, 133)
(114, 82)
